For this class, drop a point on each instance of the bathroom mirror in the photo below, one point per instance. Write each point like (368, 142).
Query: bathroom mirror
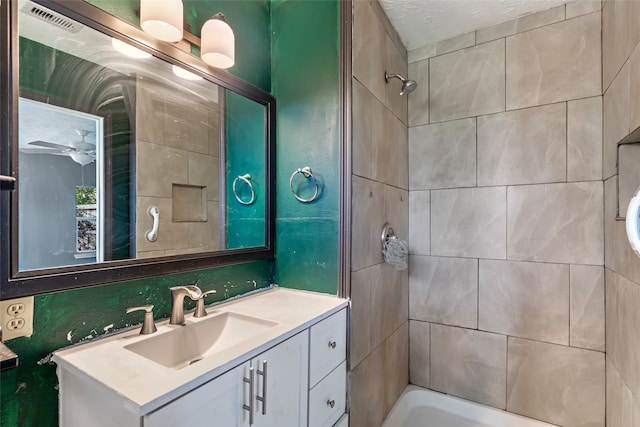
(131, 156)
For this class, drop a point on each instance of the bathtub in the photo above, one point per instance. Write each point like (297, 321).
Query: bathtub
(418, 407)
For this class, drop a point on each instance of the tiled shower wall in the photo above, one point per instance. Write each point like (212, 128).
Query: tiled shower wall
(506, 277)
(621, 84)
(379, 292)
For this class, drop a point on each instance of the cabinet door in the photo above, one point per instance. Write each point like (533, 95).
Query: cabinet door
(217, 403)
(285, 390)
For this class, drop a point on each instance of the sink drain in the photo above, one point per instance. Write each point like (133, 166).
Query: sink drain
(194, 361)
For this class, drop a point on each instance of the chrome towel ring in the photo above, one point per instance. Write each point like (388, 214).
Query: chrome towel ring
(246, 178)
(306, 172)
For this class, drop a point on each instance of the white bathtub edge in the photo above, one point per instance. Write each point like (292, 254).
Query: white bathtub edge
(414, 396)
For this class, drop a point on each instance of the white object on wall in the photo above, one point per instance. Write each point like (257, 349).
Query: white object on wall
(633, 222)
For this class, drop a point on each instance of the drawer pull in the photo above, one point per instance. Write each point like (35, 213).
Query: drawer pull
(331, 403)
(332, 344)
(263, 398)
(250, 406)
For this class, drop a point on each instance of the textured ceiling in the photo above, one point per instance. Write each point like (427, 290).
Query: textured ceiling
(422, 22)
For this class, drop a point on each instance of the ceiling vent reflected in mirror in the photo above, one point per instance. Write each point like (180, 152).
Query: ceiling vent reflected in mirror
(51, 17)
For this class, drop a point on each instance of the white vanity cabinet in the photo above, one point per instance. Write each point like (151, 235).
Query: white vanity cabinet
(328, 370)
(275, 381)
(290, 374)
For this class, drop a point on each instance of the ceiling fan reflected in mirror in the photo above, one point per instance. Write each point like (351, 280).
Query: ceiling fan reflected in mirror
(80, 151)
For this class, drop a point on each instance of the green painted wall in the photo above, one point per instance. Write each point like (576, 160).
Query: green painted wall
(305, 82)
(245, 154)
(299, 64)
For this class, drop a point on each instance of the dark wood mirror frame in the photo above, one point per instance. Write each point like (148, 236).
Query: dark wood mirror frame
(14, 283)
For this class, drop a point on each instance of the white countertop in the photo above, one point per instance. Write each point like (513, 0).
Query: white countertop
(149, 385)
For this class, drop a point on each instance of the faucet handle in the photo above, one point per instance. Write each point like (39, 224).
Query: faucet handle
(192, 291)
(148, 325)
(200, 311)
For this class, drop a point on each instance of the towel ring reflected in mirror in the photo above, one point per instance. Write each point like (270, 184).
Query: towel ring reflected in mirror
(246, 178)
(306, 172)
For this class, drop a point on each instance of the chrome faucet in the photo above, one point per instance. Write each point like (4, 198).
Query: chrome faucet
(177, 301)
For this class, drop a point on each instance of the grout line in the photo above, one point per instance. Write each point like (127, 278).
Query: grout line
(569, 308)
(566, 142)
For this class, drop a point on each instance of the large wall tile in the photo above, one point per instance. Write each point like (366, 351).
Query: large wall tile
(443, 155)
(469, 222)
(419, 99)
(524, 23)
(456, 43)
(610, 212)
(444, 290)
(419, 223)
(620, 35)
(163, 167)
(391, 153)
(584, 139)
(556, 63)
(469, 364)
(395, 64)
(422, 53)
(468, 82)
(582, 7)
(623, 346)
(368, 131)
(557, 384)
(396, 202)
(513, 147)
(556, 223)
(389, 301)
(634, 90)
(614, 396)
(587, 307)
(360, 319)
(419, 348)
(395, 365)
(616, 120)
(367, 392)
(368, 62)
(368, 213)
(525, 299)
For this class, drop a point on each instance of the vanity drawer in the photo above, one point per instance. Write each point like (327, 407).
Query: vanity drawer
(327, 399)
(328, 346)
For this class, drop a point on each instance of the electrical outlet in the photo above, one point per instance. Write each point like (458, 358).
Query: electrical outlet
(16, 318)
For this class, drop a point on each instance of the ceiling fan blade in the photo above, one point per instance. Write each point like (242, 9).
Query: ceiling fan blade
(51, 145)
(28, 150)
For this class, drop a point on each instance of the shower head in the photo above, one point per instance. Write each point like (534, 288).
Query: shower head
(408, 86)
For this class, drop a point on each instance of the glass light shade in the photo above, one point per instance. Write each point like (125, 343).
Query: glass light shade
(218, 43)
(81, 158)
(187, 75)
(128, 50)
(162, 19)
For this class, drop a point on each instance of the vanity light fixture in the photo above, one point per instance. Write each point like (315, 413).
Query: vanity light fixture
(162, 19)
(187, 75)
(128, 50)
(218, 42)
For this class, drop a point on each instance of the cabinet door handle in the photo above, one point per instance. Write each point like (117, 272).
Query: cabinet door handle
(331, 403)
(250, 406)
(263, 398)
(332, 345)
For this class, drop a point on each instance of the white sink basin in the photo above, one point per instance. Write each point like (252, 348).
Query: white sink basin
(189, 344)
